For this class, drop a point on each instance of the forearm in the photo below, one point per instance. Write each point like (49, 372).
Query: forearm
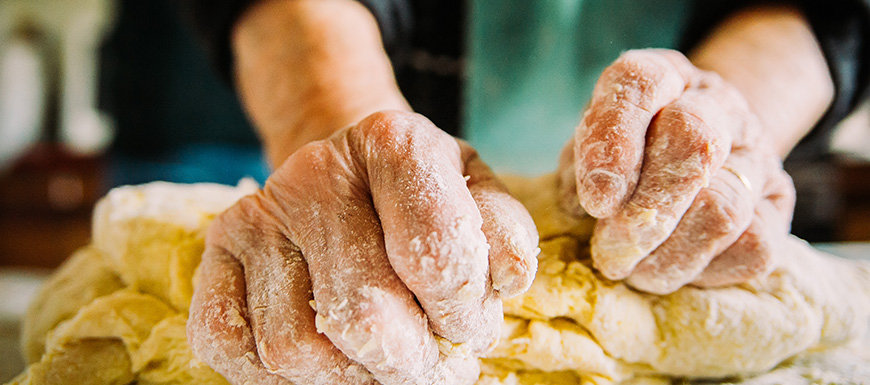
(306, 68)
(771, 55)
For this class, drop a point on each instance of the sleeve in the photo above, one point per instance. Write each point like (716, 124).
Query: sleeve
(843, 30)
(212, 22)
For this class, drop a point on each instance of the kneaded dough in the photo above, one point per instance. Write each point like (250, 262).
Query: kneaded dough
(574, 321)
(115, 312)
(153, 235)
(78, 281)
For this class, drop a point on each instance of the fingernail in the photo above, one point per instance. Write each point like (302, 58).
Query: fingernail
(603, 191)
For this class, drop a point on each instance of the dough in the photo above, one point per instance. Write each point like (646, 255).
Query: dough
(115, 312)
(82, 278)
(573, 320)
(152, 235)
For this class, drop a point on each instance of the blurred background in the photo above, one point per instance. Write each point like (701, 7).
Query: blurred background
(99, 93)
(96, 94)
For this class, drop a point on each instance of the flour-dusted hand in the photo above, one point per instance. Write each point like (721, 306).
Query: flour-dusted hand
(379, 254)
(673, 162)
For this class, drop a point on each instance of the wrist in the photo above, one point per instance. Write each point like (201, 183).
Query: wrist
(318, 119)
(772, 57)
(306, 68)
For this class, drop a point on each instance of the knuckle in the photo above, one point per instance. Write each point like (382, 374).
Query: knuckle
(724, 212)
(389, 117)
(317, 166)
(760, 262)
(251, 211)
(682, 114)
(637, 75)
(216, 231)
(781, 185)
(709, 80)
(304, 169)
(381, 121)
(640, 68)
(384, 125)
(234, 213)
(758, 257)
(244, 217)
(398, 135)
(693, 131)
(635, 57)
(779, 191)
(314, 154)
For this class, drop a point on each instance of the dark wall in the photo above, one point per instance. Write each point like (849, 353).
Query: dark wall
(159, 88)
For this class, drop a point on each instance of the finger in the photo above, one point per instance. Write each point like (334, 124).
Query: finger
(688, 142)
(718, 215)
(567, 183)
(609, 142)
(218, 329)
(432, 227)
(509, 229)
(750, 256)
(753, 253)
(279, 296)
(361, 305)
(780, 192)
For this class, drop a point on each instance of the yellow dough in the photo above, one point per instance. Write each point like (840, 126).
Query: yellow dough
(81, 279)
(573, 321)
(115, 312)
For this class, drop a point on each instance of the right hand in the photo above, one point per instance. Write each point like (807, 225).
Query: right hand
(397, 234)
(685, 182)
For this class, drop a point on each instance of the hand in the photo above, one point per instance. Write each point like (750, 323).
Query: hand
(673, 163)
(391, 238)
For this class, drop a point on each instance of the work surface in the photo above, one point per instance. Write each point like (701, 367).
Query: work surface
(17, 287)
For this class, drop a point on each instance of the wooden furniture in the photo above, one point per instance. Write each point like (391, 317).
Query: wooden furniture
(46, 201)
(854, 190)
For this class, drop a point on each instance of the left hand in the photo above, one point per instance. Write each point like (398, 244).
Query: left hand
(674, 164)
(380, 253)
